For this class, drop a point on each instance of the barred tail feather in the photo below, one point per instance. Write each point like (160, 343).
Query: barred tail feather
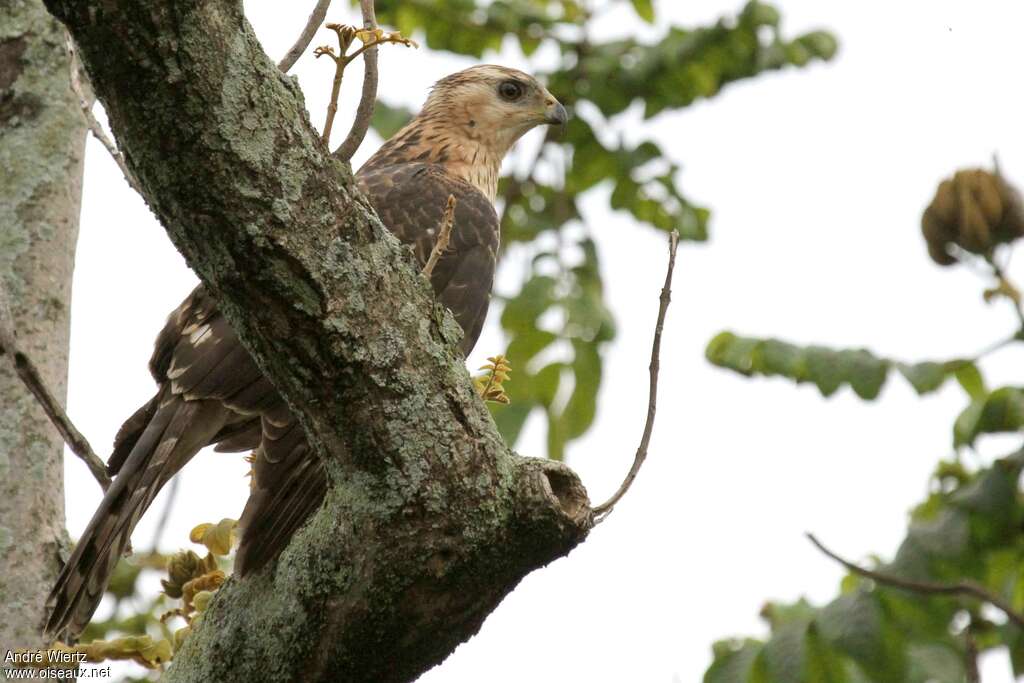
(177, 430)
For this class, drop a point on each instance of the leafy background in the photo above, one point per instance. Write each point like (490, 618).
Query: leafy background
(556, 321)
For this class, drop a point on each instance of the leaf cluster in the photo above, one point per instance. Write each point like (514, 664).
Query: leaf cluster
(967, 529)
(557, 322)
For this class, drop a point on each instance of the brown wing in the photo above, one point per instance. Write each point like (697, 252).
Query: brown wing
(288, 480)
(410, 200)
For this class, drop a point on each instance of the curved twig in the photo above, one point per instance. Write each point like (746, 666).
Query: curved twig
(601, 511)
(364, 112)
(165, 514)
(967, 588)
(306, 37)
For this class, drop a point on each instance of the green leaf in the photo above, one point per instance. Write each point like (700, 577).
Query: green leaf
(830, 369)
(781, 358)
(1000, 411)
(556, 437)
(388, 120)
(824, 369)
(645, 9)
(821, 44)
(855, 624)
(734, 663)
(545, 383)
(924, 377)
(510, 418)
(536, 296)
(936, 663)
(864, 372)
(582, 405)
(970, 379)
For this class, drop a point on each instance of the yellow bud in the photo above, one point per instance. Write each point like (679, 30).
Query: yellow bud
(202, 600)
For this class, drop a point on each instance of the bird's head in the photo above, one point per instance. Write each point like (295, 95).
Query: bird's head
(470, 121)
(495, 103)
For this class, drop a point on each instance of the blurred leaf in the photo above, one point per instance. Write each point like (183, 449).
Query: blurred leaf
(875, 634)
(969, 377)
(830, 369)
(388, 120)
(734, 663)
(645, 9)
(925, 377)
(1000, 411)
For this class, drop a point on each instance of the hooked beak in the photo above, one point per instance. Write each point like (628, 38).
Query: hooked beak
(556, 114)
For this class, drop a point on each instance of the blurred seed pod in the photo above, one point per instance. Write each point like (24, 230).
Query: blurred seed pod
(182, 568)
(976, 210)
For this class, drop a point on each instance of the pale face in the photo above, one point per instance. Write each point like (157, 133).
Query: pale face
(496, 103)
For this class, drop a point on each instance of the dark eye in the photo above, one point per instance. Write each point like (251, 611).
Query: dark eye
(510, 90)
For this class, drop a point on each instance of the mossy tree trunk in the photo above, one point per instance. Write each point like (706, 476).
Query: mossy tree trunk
(430, 520)
(42, 137)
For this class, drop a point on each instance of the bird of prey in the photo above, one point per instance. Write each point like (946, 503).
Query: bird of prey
(212, 393)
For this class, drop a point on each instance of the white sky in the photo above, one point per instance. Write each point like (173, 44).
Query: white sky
(817, 179)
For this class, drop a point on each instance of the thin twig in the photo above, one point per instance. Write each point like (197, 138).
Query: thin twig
(306, 37)
(85, 103)
(345, 37)
(165, 514)
(605, 508)
(33, 381)
(370, 38)
(367, 101)
(1007, 288)
(443, 237)
(996, 346)
(971, 657)
(965, 588)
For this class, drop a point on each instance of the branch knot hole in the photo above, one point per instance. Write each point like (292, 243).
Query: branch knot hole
(567, 492)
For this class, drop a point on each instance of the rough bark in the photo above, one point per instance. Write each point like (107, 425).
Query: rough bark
(42, 137)
(430, 519)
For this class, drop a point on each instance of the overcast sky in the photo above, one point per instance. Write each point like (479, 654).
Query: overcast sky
(817, 179)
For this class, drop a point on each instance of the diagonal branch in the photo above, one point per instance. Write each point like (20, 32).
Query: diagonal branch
(33, 381)
(604, 509)
(306, 37)
(962, 588)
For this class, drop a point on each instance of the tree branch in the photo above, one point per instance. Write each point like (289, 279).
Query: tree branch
(429, 519)
(306, 37)
(962, 588)
(33, 381)
(85, 103)
(367, 101)
(604, 509)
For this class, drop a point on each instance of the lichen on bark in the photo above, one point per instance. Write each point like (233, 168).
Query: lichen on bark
(42, 137)
(430, 519)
